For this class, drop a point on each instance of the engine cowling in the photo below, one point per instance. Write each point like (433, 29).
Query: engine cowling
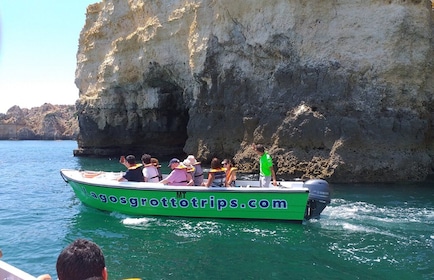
(319, 197)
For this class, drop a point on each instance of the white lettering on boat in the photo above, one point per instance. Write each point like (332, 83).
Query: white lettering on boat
(175, 202)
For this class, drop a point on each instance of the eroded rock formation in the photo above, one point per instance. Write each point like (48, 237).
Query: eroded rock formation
(335, 89)
(47, 122)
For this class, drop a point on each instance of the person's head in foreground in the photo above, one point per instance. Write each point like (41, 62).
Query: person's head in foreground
(81, 260)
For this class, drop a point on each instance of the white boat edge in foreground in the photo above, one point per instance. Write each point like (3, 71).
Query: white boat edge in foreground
(10, 272)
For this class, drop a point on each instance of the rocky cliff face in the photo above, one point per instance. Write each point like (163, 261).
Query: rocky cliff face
(336, 89)
(48, 122)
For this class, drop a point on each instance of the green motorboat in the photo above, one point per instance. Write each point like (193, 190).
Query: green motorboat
(290, 200)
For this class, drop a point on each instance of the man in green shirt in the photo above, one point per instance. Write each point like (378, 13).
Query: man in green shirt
(266, 170)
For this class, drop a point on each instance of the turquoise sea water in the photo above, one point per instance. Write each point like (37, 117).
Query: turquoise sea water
(368, 231)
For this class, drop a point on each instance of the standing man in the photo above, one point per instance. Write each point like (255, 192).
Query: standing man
(266, 170)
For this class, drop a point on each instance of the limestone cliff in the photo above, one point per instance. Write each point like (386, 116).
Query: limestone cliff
(336, 89)
(47, 122)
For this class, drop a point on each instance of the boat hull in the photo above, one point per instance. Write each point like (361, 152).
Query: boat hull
(151, 199)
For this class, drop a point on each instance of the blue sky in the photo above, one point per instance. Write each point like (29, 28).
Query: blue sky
(38, 47)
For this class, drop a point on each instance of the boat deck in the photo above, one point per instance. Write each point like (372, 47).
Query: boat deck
(109, 179)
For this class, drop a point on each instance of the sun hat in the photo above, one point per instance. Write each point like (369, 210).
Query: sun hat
(173, 160)
(192, 159)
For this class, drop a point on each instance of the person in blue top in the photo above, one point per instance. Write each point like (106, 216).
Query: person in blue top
(134, 172)
(266, 170)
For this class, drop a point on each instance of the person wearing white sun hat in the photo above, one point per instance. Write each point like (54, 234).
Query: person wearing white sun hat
(198, 172)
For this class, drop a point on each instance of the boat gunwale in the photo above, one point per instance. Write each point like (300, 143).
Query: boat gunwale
(145, 186)
(9, 271)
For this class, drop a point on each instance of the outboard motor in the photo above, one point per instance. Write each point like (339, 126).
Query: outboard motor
(319, 197)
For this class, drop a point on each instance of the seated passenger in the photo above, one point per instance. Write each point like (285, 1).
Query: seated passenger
(190, 168)
(134, 172)
(150, 171)
(216, 175)
(198, 172)
(155, 162)
(231, 172)
(179, 175)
